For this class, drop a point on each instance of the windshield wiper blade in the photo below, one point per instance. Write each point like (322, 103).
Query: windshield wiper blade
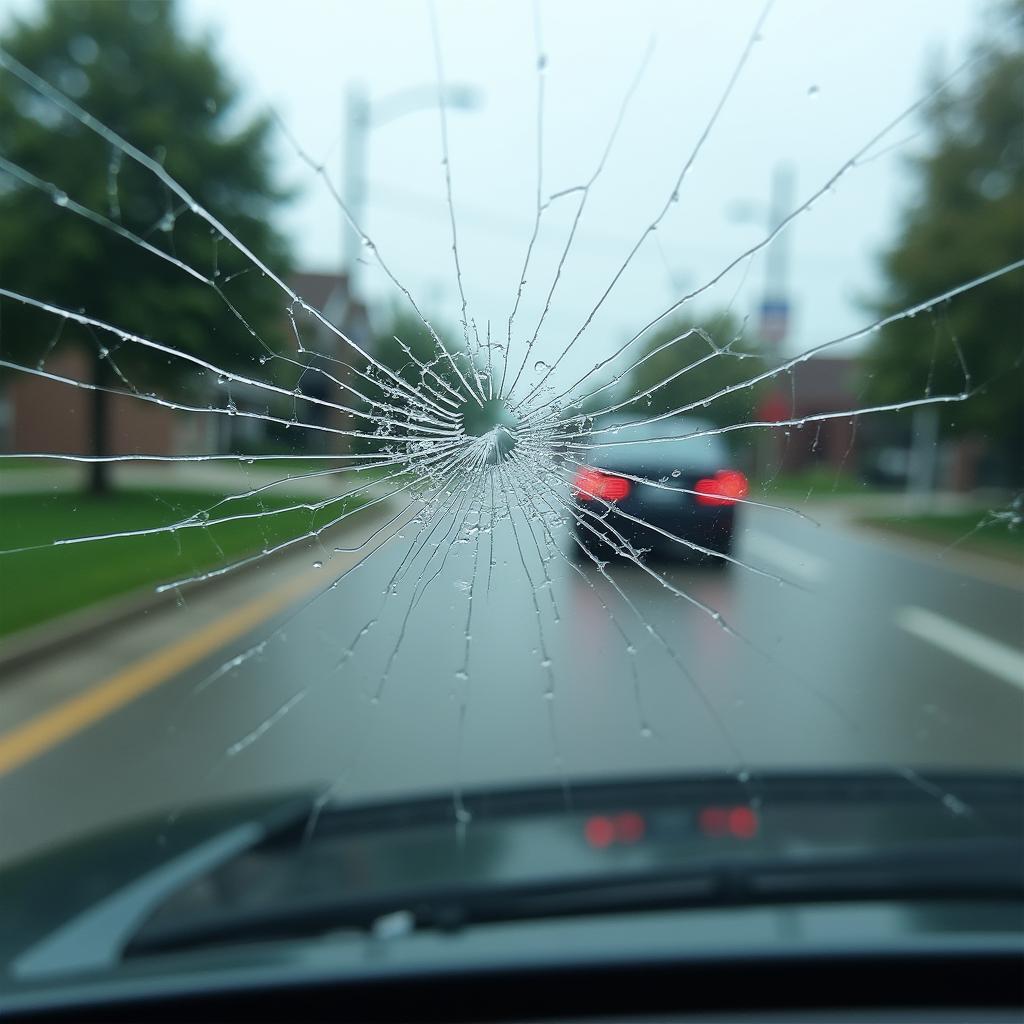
(977, 869)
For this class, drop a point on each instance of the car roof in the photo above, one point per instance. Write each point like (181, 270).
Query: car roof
(612, 437)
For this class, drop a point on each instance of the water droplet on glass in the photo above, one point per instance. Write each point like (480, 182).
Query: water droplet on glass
(956, 805)
(318, 565)
(540, 366)
(393, 925)
(60, 198)
(813, 91)
(83, 49)
(677, 473)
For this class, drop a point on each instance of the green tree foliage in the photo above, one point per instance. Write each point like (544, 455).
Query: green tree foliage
(966, 219)
(686, 361)
(402, 342)
(131, 66)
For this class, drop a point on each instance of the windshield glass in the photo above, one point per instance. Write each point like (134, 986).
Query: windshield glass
(404, 401)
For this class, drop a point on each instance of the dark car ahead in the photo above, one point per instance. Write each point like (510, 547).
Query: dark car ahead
(665, 487)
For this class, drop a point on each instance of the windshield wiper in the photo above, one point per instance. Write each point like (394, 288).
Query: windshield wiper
(975, 869)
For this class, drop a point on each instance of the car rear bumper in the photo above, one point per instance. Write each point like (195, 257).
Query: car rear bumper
(707, 526)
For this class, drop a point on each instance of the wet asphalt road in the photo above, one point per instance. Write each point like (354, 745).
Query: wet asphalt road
(865, 657)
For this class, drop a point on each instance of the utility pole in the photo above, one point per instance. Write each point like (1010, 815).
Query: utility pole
(923, 463)
(357, 128)
(775, 306)
(774, 321)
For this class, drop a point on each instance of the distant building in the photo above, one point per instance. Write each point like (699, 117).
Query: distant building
(813, 387)
(43, 415)
(329, 293)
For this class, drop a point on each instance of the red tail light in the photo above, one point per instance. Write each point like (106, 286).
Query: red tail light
(591, 483)
(724, 488)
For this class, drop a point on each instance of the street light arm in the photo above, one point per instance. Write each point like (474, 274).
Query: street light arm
(361, 116)
(408, 101)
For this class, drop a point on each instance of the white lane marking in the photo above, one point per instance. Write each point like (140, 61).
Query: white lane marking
(980, 650)
(785, 556)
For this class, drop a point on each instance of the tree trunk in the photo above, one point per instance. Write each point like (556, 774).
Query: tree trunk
(99, 472)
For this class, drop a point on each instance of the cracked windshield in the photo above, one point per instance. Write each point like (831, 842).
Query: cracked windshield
(409, 407)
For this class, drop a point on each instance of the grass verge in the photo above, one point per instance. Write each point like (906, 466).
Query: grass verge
(54, 579)
(813, 484)
(967, 531)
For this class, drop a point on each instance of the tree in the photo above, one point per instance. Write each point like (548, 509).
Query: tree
(405, 346)
(131, 67)
(967, 219)
(402, 339)
(683, 353)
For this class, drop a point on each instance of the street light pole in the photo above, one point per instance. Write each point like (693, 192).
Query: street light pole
(357, 127)
(776, 284)
(360, 118)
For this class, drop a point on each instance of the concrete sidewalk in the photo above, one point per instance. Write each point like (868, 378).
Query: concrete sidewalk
(222, 477)
(848, 513)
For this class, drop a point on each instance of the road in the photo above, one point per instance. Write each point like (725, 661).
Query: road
(865, 654)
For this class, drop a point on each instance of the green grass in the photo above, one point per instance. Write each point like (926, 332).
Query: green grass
(814, 483)
(49, 581)
(995, 538)
(21, 464)
(301, 466)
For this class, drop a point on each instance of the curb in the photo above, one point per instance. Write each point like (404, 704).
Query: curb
(978, 565)
(26, 646)
(39, 642)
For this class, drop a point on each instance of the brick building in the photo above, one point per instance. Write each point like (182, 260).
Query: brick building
(41, 415)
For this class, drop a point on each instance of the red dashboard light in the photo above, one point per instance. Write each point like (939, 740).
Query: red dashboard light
(739, 822)
(714, 821)
(629, 827)
(591, 483)
(724, 488)
(743, 822)
(602, 831)
(599, 831)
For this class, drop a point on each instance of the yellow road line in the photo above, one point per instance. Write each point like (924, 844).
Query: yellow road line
(46, 730)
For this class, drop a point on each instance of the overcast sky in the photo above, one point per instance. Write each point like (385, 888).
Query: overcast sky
(824, 77)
